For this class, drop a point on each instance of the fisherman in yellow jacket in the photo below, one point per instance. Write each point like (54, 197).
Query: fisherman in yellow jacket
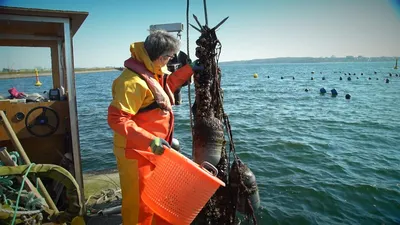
(141, 117)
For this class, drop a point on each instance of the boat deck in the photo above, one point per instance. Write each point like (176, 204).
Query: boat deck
(102, 191)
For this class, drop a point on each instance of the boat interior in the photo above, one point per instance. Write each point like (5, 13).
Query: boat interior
(44, 130)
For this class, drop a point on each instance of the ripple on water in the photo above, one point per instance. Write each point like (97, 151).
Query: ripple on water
(317, 159)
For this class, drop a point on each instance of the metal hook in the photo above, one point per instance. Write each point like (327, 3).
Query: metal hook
(195, 27)
(220, 23)
(197, 21)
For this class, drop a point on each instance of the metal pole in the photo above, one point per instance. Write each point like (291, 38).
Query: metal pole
(205, 11)
(73, 111)
(60, 63)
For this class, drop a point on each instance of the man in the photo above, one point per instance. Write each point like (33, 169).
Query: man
(141, 117)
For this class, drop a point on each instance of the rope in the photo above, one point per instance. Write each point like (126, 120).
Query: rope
(110, 196)
(28, 212)
(32, 201)
(6, 181)
(187, 46)
(205, 11)
(20, 191)
(225, 116)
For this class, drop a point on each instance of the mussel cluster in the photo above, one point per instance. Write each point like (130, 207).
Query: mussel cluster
(209, 144)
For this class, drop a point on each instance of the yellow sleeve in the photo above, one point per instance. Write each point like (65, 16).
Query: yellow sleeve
(129, 93)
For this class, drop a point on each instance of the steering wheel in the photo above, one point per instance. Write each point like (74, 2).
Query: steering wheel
(43, 125)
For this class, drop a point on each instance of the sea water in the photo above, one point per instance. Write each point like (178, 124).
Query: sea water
(318, 159)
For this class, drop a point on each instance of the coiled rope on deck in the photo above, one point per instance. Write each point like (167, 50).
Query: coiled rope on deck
(20, 192)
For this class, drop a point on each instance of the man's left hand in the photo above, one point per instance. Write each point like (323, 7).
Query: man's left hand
(158, 144)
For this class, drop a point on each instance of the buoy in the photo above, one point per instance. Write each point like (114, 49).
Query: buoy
(37, 78)
(255, 75)
(348, 96)
(175, 144)
(249, 197)
(334, 92)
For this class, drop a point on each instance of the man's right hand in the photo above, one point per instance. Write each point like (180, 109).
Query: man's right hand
(157, 145)
(196, 66)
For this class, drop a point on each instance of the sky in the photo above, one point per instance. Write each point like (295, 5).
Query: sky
(255, 29)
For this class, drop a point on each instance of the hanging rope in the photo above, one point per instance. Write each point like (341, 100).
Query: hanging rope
(187, 46)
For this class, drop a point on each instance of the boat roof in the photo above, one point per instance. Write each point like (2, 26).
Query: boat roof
(36, 27)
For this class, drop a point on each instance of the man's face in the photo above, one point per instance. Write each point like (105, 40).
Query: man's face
(164, 59)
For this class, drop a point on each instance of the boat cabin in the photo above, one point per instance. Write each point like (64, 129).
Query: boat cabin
(47, 129)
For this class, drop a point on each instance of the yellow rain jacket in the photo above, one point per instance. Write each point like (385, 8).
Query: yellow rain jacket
(136, 123)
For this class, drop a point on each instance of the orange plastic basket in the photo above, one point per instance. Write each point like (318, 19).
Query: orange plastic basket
(179, 188)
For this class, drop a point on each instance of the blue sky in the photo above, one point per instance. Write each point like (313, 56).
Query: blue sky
(255, 28)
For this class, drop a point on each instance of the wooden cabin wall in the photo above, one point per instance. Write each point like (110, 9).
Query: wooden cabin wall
(39, 149)
(55, 65)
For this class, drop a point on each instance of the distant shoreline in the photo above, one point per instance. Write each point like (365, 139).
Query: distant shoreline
(349, 59)
(23, 75)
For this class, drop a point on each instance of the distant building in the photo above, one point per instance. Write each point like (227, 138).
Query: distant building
(8, 70)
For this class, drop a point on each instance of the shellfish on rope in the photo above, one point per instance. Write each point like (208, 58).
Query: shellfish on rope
(210, 126)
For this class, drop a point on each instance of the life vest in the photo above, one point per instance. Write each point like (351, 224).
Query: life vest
(163, 96)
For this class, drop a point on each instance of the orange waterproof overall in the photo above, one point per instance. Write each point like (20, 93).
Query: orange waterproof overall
(134, 128)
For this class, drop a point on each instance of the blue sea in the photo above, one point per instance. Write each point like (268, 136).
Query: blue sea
(318, 159)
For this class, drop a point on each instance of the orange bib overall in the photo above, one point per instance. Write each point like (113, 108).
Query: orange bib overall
(136, 123)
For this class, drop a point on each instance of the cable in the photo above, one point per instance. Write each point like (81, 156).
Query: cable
(187, 46)
(205, 11)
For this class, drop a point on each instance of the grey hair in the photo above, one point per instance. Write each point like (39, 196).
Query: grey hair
(160, 43)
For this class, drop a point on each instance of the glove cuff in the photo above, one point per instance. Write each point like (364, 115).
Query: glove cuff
(194, 63)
